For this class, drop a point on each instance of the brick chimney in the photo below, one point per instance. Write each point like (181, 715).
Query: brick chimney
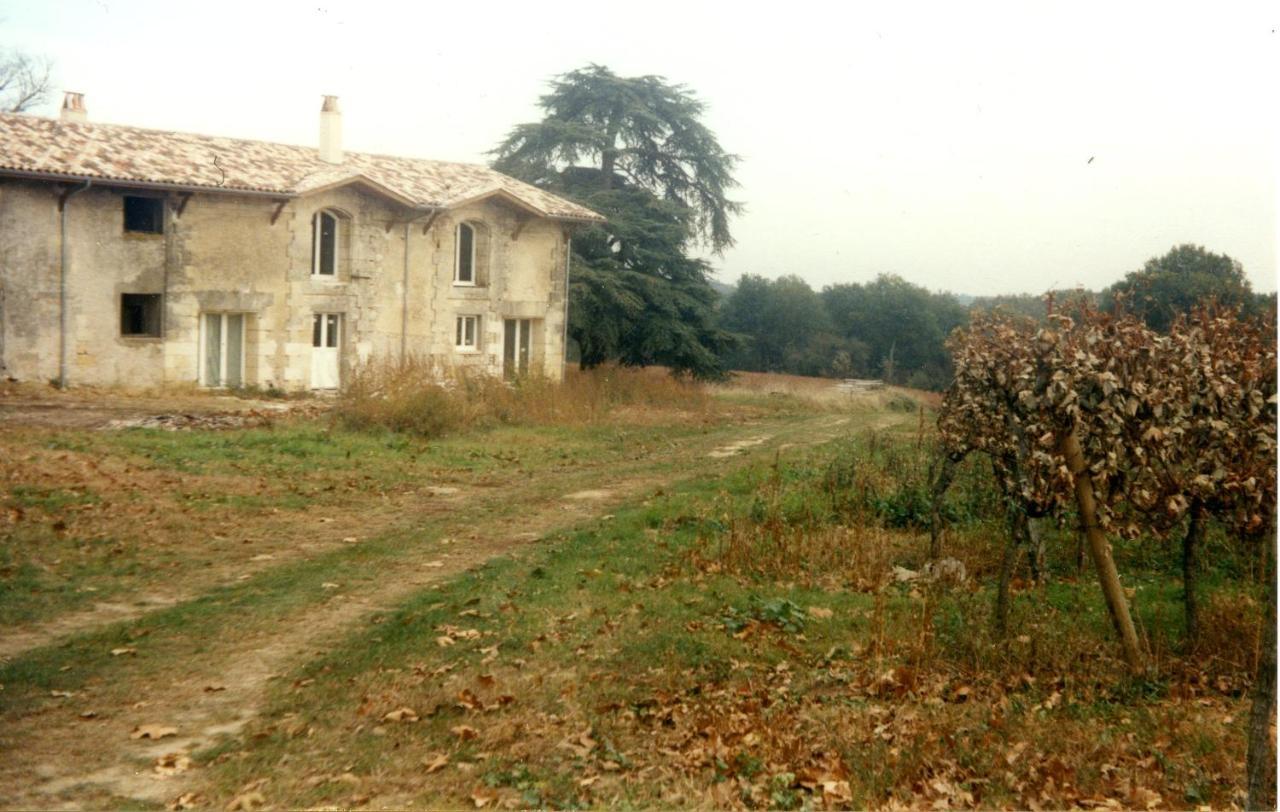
(330, 131)
(73, 107)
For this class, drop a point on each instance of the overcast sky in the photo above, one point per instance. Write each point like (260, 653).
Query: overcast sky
(978, 148)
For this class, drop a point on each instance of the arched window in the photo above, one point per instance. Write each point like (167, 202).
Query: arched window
(464, 266)
(325, 243)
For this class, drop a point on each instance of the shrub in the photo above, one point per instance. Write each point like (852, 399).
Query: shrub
(420, 398)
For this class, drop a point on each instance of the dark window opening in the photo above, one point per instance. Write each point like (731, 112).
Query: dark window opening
(466, 253)
(144, 215)
(325, 235)
(140, 314)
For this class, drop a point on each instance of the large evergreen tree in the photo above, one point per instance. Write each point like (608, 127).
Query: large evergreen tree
(635, 150)
(1176, 282)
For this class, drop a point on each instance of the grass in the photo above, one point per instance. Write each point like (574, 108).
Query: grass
(643, 668)
(97, 514)
(733, 635)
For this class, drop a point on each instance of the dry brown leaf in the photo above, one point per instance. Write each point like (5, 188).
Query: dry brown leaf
(482, 797)
(172, 764)
(582, 744)
(153, 732)
(837, 793)
(401, 715)
(187, 800)
(464, 731)
(438, 762)
(246, 802)
(116, 652)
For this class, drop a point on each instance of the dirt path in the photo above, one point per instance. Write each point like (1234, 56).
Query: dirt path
(216, 689)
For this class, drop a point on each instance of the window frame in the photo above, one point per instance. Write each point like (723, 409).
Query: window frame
(317, 236)
(460, 336)
(224, 342)
(157, 215)
(153, 300)
(457, 255)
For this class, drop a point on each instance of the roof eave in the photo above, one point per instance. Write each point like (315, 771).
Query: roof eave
(127, 183)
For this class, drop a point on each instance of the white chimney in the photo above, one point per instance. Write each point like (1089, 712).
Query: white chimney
(73, 107)
(330, 131)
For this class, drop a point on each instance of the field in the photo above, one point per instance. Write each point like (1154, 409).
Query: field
(627, 593)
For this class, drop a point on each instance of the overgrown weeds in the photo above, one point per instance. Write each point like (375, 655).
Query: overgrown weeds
(833, 519)
(416, 397)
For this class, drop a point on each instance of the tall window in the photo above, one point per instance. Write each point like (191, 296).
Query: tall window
(222, 356)
(467, 333)
(324, 242)
(465, 267)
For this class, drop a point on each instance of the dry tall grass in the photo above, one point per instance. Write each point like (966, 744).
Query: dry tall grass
(418, 397)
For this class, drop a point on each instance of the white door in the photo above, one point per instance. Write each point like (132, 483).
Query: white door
(326, 332)
(222, 357)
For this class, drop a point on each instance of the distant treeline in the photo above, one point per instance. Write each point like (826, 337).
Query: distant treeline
(888, 328)
(894, 330)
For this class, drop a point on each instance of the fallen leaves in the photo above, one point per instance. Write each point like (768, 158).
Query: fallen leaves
(246, 802)
(581, 745)
(435, 763)
(153, 732)
(483, 796)
(401, 715)
(187, 800)
(172, 764)
(119, 652)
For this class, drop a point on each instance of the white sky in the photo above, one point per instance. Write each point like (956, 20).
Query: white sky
(947, 142)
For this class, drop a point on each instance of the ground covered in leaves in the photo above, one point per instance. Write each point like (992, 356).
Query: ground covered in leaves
(724, 607)
(671, 655)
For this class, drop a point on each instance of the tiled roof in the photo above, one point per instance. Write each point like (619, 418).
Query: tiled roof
(111, 152)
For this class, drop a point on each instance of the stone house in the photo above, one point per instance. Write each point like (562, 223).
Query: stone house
(140, 257)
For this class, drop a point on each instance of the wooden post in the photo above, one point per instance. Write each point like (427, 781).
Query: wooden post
(946, 473)
(1260, 763)
(1100, 551)
(1015, 522)
(1195, 529)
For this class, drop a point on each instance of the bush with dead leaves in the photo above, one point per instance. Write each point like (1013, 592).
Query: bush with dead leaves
(1166, 425)
(1164, 421)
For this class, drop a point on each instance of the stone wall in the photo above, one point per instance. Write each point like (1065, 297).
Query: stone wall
(223, 254)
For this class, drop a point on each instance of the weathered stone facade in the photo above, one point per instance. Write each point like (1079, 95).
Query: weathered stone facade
(220, 252)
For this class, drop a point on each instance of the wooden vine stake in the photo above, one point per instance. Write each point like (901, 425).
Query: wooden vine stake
(1100, 550)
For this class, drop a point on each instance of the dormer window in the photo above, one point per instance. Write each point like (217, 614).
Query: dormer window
(325, 227)
(465, 266)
